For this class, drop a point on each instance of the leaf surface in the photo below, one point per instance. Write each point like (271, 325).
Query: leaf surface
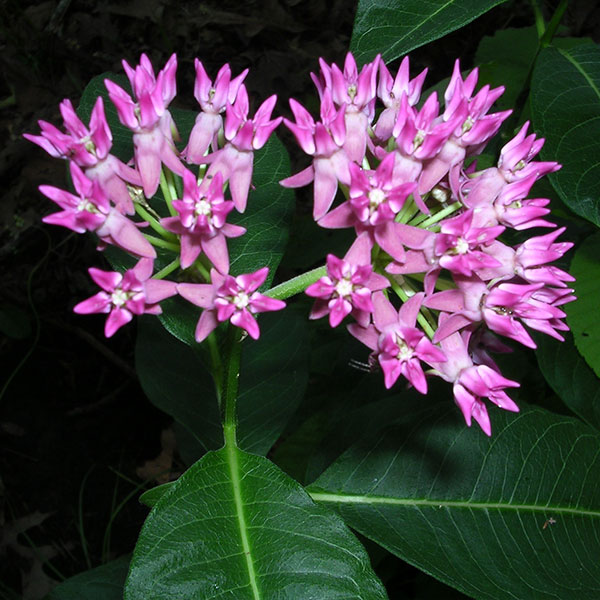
(512, 516)
(565, 104)
(101, 583)
(235, 526)
(394, 28)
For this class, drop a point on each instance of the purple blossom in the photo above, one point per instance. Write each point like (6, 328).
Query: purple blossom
(472, 382)
(348, 285)
(91, 211)
(201, 222)
(124, 296)
(213, 100)
(89, 149)
(234, 161)
(149, 118)
(396, 343)
(229, 298)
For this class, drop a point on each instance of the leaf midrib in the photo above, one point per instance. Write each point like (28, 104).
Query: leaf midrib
(234, 471)
(579, 68)
(412, 502)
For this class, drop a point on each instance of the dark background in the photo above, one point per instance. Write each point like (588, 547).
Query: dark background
(75, 427)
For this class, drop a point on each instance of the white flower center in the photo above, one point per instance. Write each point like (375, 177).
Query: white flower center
(203, 207)
(344, 288)
(87, 206)
(461, 246)
(119, 297)
(241, 300)
(404, 352)
(439, 194)
(376, 197)
(419, 139)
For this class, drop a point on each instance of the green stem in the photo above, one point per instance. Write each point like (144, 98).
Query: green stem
(407, 212)
(217, 365)
(231, 385)
(296, 285)
(167, 270)
(540, 25)
(140, 210)
(546, 39)
(167, 191)
(160, 243)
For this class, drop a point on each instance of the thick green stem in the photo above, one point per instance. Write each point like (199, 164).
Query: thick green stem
(296, 285)
(216, 364)
(546, 39)
(231, 385)
(540, 25)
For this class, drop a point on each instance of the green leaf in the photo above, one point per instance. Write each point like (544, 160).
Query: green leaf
(153, 495)
(395, 28)
(273, 377)
(512, 516)
(175, 380)
(565, 104)
(235, 526)
(505, 59)
(582, 315)
(569, 376)
(102, 583)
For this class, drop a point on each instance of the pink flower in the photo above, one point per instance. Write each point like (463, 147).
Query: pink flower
(396, 343)
(515, 157)
(472, 382)
(391, 92)
(347, 287)
(324, 141)
(89, 149)
(123, 296)
(213, 100)
(355, 92)
(229, 298)
(458, 245)
(91, 211)
(374, 202)
(201, 222)
(149, 118)
(244, 135)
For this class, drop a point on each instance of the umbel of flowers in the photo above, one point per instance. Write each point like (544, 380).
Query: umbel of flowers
(109, 193)
(428, 282)
(430, 221)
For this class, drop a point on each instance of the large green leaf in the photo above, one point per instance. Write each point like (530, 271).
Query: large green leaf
(235, 526)
(582, 315)
(394, 28)
(569, 376)
(273, 377)
(565, 104)
(512, 516)
(102, 583)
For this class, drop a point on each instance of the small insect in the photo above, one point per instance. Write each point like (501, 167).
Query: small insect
(549, 521)
(369, 367)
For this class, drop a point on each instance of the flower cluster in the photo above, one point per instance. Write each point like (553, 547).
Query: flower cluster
(428, 223)
(109, 193)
